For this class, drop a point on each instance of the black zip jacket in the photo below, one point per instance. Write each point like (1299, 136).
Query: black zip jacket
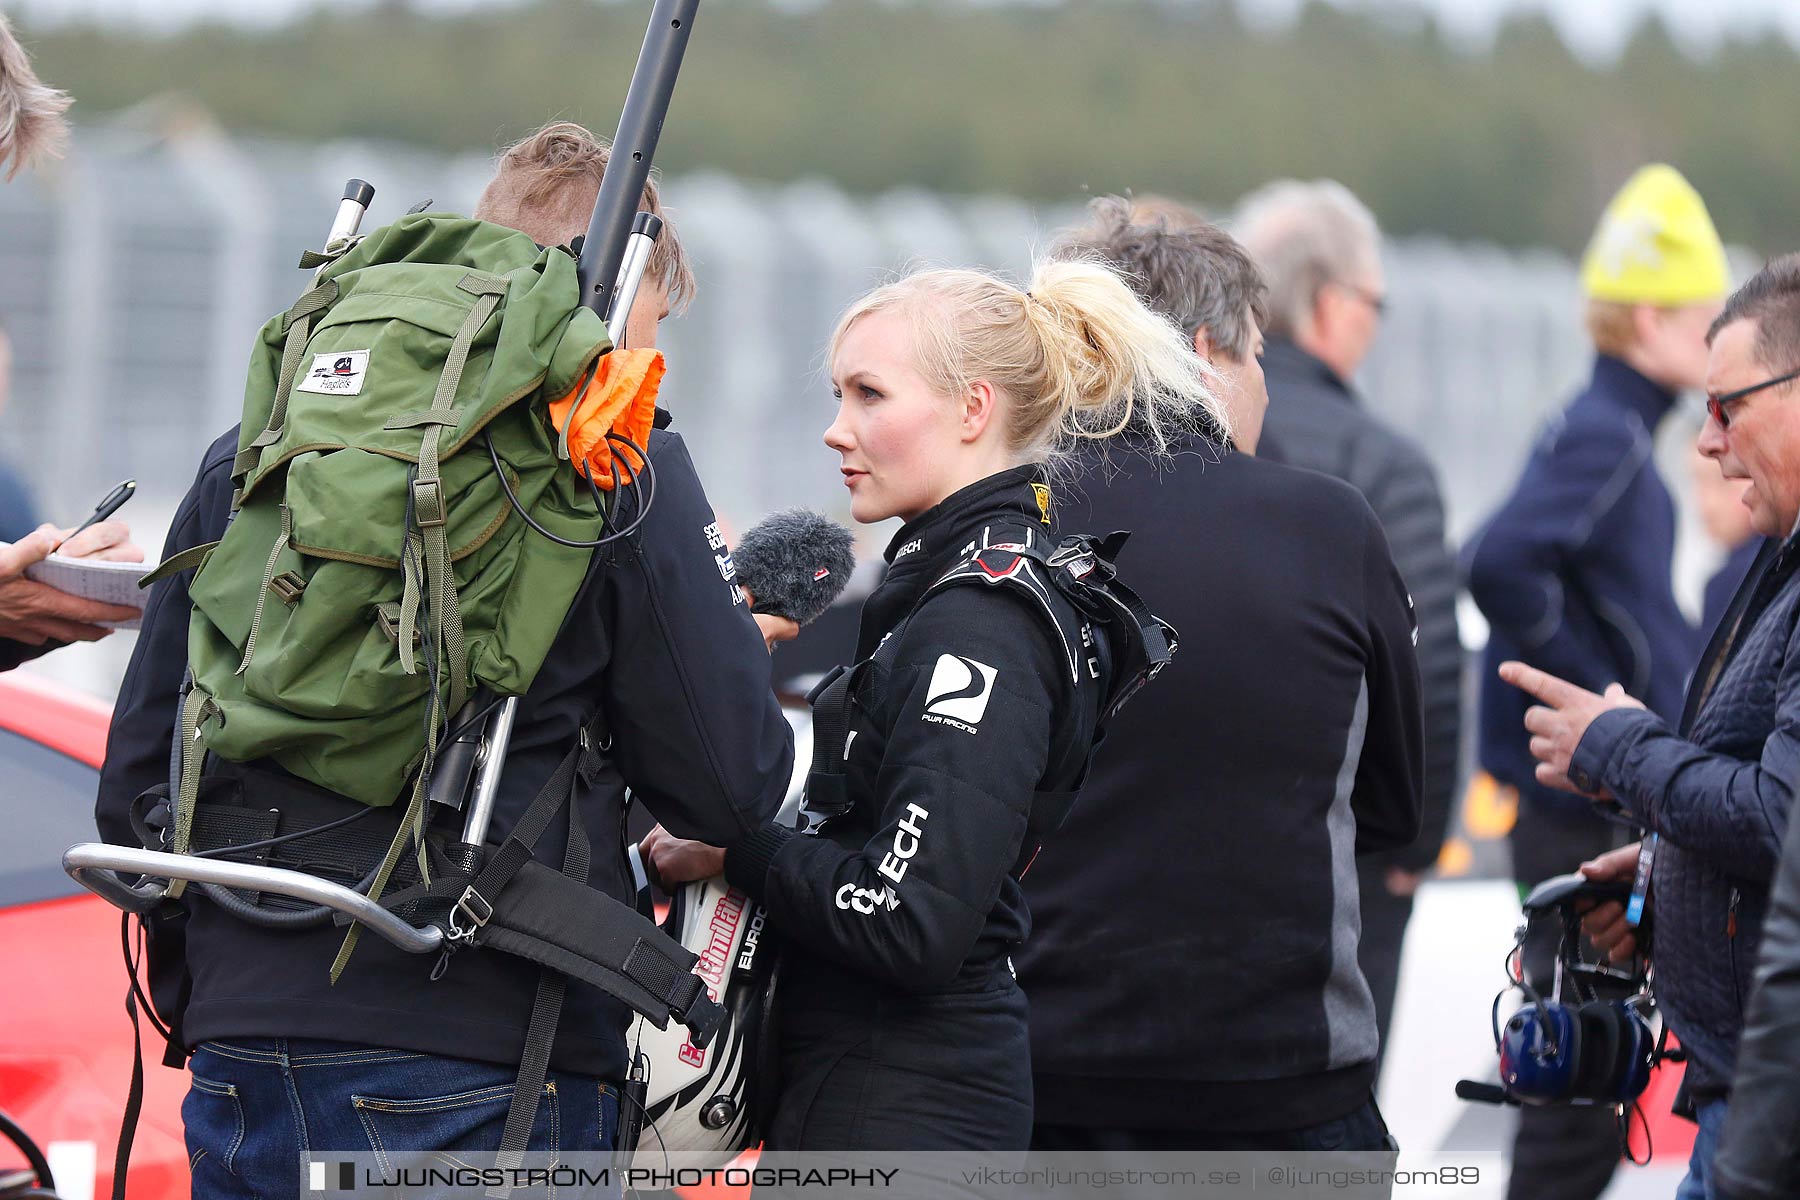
(1194, 964)
(916, 887)
(658, 648)
(1316, 421)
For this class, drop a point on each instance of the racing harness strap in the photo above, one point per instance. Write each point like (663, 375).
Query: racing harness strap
(1136, 644)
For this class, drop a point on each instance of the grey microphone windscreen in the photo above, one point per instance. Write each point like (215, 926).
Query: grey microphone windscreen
(795, 563)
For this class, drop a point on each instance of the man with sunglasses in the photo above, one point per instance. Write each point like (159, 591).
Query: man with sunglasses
(1574, 572)
(1716, 788)
(1719, 405)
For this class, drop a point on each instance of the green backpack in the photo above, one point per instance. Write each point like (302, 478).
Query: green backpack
(375, 571)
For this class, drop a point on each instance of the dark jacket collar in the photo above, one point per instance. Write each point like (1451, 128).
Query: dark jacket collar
(930, 543)
(1769, 573)
(1282, 358)
(1623, 386)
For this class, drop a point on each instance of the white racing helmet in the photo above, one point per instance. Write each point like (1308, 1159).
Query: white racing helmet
(716, 1100)
(712, 1099)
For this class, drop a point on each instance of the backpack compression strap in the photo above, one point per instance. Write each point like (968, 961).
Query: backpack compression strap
(316, 299)
(427, 551)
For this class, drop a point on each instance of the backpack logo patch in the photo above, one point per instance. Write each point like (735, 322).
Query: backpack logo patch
(959, 691)
(338, 373)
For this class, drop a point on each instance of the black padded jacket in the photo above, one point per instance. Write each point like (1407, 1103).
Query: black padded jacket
(1316, 421)
(1759, 1155)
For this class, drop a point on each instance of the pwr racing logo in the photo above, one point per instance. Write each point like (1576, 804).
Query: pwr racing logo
(959, 691)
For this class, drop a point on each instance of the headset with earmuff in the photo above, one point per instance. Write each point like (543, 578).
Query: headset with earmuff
(1589, 1033)
(1599, 1052)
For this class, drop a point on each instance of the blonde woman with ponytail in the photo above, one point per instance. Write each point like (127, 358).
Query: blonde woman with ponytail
(973, 707)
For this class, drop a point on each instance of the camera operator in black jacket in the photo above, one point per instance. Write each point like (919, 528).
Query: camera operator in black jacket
(658, 656)
(1193, 975)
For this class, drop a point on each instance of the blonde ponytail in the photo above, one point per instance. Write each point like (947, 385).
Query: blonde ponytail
(1075, 357)
(1111, 364)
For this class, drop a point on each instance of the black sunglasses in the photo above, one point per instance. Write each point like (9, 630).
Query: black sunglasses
(1715, 405)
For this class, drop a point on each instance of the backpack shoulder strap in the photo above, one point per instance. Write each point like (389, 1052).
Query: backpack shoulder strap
(1137, 644)
(827, 794)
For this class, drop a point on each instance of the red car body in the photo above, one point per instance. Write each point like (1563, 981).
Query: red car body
(65, 1041)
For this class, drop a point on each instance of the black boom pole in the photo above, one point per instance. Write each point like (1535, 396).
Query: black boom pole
(610, 234)
(640, 124)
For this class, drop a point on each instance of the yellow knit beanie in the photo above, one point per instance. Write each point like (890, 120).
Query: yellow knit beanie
(1656, 245)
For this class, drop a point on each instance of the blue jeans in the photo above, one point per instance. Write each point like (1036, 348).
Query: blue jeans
(1699, 1184)
(255, 1106)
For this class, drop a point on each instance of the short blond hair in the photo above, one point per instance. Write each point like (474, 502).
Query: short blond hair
(1612, 326)
(544, 185)
(1075, 357)
(31, 113)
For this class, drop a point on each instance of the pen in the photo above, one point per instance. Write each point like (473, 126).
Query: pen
(114, 501)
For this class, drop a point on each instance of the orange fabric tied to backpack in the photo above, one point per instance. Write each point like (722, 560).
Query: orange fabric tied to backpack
(619, 399)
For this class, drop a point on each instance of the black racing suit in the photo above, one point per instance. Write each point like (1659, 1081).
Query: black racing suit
(658, 654)
(902, 1027)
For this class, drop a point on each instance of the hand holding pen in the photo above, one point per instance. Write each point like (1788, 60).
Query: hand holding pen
(114, 501)
(35, 613)
(98, 536)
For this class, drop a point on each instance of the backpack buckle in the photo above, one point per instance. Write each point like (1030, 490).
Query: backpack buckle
(387, 619)
(428, 503)
(473, 908)
(287, 586)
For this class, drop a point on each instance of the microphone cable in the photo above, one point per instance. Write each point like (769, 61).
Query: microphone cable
(641, 480)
